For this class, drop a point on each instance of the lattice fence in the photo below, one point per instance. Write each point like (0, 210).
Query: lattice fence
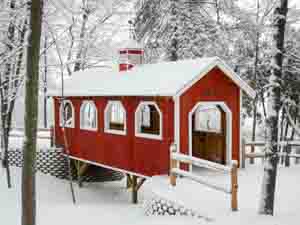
(51, 161)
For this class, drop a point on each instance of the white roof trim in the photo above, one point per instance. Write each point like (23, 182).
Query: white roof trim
(227, 71)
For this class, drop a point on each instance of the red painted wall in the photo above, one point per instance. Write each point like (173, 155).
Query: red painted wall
(147, 156)
(215, 86)
(140, 155)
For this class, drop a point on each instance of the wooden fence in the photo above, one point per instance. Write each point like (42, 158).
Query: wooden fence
(18, 132)
(177, 158)
(285, 156)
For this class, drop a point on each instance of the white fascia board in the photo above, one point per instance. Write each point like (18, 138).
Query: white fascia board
(236, 79)
(227, 71)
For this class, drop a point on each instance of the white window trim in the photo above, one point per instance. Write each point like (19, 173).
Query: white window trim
(149, 136)
(61, 118)
(106, 120)
(196, 123)
(93, 104)
(228, 114)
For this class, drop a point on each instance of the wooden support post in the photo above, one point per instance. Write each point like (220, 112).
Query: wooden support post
(252, 150)
(234, 187)
(243, 153)
(134, 190)
(82, 169)
(140, 183)
(173, 164)
(128, 181)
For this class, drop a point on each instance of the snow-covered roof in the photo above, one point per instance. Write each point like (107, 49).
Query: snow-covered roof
(160, 79)
(131, 44)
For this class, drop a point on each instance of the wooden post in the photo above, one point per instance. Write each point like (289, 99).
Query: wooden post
(128, 181)
(52, 136)
(234, 186)
(243, 153)
(297, 151)
(134, 190)
(173, 164)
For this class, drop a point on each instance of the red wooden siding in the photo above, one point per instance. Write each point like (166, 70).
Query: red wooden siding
(140, 155)
(214, 86)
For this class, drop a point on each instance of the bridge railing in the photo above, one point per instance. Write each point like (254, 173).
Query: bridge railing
(176, 158)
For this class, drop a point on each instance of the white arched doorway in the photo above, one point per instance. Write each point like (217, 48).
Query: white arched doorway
(212, 120)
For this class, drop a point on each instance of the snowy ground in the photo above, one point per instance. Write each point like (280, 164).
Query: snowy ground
(103, 203)
(109, 203)
(16, 139)
(216, 205)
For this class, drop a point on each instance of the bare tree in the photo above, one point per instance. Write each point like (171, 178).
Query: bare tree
(11, 74)
(273, 108)
(31, 113)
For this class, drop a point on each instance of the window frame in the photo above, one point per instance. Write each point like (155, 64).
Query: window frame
(61, 116)
(85, 102)
(197, 113)
(138, 122)
(107, 121)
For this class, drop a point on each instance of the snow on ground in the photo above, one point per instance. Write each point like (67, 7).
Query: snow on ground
(109, 203)
(102, 203)
(16, 139)
(216, 205)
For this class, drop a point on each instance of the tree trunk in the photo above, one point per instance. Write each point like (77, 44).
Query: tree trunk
(286, 148)
(173, 48)
(282, 148)
(45, 80)
(293, 133)
(31, 114)
(79, 57)
(273, 107)
(257, 36)
(5, 84)
(253, 128)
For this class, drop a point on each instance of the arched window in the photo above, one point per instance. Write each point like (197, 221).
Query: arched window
(208, 119)
(146, 116)
(88, 116)
(66, 114)
(115, 118)
(148, 121)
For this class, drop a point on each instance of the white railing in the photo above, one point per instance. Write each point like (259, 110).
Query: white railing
(253, 155)
(177, 158)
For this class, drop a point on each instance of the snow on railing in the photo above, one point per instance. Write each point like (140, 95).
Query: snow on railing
(177, 158)
(284, 155)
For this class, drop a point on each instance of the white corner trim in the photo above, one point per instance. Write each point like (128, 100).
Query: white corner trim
(96, 116)
(236, 78)
(228, 113)
(137, 122)
(241, 124)
(107, 129)
(72, 125)
(177, 122)
(226, 70)
(106, 166)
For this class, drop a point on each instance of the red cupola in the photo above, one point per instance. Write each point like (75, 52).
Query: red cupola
(131, 54)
